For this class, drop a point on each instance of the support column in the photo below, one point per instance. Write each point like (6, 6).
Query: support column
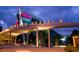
(0, 42)
(74, 43)
(24, 43)
(37, 37)
(48, 37)
(56, 42)
(15, 40)
(9, 38)
(27, 37)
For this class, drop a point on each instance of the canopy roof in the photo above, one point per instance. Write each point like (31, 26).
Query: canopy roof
(14, 31)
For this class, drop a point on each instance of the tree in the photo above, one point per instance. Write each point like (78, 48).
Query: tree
(0, 28)
(75, 32)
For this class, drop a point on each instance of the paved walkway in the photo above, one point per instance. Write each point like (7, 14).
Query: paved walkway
(30, 49)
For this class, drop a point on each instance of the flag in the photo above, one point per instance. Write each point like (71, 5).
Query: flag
(17, 17)
(17, 23)
(26, 18)
(17, 20)
(22, 18)
(27, 21)
(26, 15)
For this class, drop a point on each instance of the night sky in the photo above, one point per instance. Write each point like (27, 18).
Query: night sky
(52, 13)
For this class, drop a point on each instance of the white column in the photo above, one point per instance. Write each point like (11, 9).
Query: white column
(74, 42)
(24, 43)
(37, 37)
(0, 42)
(9, 38)
(15, 40)
(27, 37)
(56, 43)
(48, 37)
